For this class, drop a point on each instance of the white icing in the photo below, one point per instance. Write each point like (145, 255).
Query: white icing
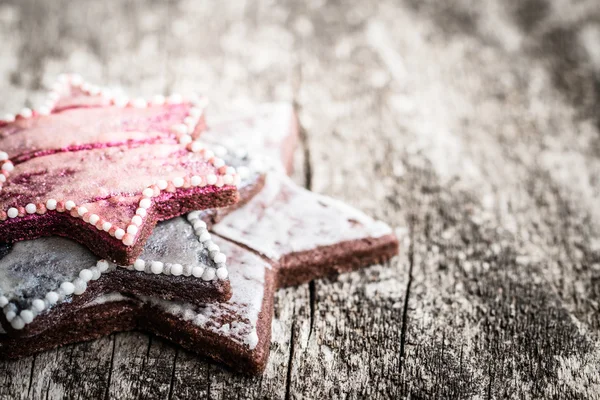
(36, 267)
(237, 318)
(107, 298)
(261, 131)
(55, 268)
(285, 218)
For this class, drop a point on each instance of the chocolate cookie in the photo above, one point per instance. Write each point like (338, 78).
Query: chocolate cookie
(284, 235)
(237, 332)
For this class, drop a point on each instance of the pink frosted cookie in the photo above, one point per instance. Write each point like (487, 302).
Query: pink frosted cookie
(102, 169)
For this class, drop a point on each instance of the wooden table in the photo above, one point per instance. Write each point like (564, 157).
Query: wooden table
(472, 127)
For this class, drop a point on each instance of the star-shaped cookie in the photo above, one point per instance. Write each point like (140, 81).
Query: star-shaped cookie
(101, 169)
(283, 235)
(180, 261)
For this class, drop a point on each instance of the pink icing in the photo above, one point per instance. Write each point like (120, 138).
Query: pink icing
(99, 174)
(84, 128)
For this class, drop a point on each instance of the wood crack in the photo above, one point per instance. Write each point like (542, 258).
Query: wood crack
(288, 381)
(110, 369)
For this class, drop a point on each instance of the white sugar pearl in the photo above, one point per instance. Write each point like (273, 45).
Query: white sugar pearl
(76, 80)
(162, 184)
(132, 229)
(179, 129)
(139, 103)
(212, 246)
(176, 269)
(12, 212)
(156, 267)
(38, 305)
(81, 211)
(145, 203)
(220, 258)
(102, 266)
(51, 204)
(106, 226)
(193, 215)
(17, 323)
(139, 265)
(2, 178)
(3, 156)
(141, 212)
(196, 147)
(44, 110)
(95, 273)
(199, 224)
(94, 90)
(86, 275)
(26, 113)
(204, 237)
(8, 166)
(119, 233)
(30, 208)
(3, 301)
(196, 180)
(148, 192)
(178, 182)
(197, 271)
(69, 205)
(128, 240)
(211, 179)
(121, 102)
(10, 315)
(175, 98)
(94, 218)
(222, 273)
(218, 162)
(27, 316)
(228, 179)
(80, 286)
(185, 139)
(8, 117)
(136, 220)
(208, 275)
(159, 100)
(208, 154)
(67, 287)
(190, 121)
(52, 297)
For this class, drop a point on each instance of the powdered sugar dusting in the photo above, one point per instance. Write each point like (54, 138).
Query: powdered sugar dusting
(237, 318)
(36, 267)
(284, 218)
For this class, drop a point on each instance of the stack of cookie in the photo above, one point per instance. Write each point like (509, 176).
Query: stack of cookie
(120, 214)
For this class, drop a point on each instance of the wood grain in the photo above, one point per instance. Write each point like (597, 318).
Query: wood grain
(471, 127)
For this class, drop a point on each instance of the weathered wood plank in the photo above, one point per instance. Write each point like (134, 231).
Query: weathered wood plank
(474, 124)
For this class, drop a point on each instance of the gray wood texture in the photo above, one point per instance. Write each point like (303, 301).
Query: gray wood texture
(473, 127)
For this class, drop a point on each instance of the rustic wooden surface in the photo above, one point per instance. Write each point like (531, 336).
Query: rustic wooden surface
(473, 127)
